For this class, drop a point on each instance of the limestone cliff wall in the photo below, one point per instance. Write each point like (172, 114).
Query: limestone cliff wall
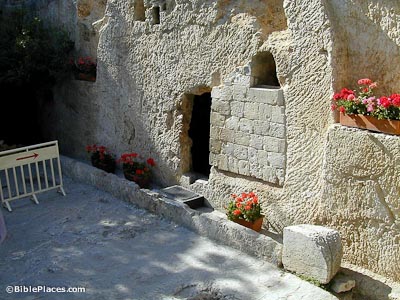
(153, 56)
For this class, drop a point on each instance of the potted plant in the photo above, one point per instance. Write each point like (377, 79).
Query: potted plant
(84, 68)
(364, 110)
(245, 209)
(136, 169)
(102, 158)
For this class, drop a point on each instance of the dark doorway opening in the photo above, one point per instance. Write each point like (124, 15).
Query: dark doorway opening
(199, 132)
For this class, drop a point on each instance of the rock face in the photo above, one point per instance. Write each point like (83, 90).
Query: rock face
(155, 57)
(312, 251)
(342, 284)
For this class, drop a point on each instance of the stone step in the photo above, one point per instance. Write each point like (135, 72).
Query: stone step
(179, 193)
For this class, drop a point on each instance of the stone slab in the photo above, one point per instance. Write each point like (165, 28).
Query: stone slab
(179, 193)
(312, 251)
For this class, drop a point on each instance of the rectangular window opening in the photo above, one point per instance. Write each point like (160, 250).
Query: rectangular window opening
(156, 15)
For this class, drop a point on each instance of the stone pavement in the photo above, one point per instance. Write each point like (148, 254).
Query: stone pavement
(117, 251)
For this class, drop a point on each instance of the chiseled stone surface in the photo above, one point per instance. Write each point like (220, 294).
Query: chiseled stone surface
(92, 239)
(362, 192)
(312, 251)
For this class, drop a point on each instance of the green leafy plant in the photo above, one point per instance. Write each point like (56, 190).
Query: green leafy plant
(33, 59)
(31, 52)
(244, 206)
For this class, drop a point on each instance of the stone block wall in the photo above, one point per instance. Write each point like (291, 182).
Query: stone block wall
(248, 133)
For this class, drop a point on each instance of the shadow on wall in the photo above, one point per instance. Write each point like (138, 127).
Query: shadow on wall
(367, 42)
(122, 103)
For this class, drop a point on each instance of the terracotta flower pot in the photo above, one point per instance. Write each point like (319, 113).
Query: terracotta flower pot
(106, 165)
(85, 77)
(256, 225)
(371, 123)
(142, 181)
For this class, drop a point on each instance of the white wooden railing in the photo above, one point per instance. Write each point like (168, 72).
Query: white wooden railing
(28, 171)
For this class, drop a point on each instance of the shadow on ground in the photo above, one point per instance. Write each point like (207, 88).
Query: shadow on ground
(117, 251)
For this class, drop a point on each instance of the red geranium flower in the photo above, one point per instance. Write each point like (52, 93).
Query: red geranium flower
(151, 162)
(237, 212)
(364, 81)
(385, 102)
(245, 206)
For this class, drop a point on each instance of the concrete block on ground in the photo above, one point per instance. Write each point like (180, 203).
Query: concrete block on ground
(312, 251)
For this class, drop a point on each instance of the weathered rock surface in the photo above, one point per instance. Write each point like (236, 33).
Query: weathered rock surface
(312, 251)
(341, 283)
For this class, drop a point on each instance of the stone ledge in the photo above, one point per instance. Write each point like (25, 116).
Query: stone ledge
(213, 225)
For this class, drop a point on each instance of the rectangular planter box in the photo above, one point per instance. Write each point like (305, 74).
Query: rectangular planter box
(85, 77)
(256, 225)
(371, 123)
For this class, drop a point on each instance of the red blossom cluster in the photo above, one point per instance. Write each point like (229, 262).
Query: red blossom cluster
(365, 103)
(101, 151)
(132, 163)
(128, 158)
(344, 94)
(244, 206)
(393, 99)
(84, 64)
(245, 201)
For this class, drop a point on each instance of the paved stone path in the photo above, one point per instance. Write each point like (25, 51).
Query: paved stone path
(117, 251)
